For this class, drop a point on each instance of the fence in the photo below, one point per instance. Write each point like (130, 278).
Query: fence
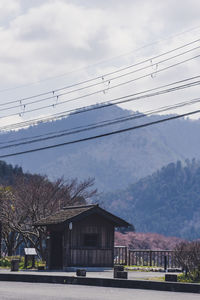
(121, 255)
(155, 258)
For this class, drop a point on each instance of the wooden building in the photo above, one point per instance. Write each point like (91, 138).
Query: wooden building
(81, 236)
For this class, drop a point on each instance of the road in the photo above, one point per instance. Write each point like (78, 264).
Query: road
(41, 291)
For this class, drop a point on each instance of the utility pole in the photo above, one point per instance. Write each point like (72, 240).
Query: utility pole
(0, 237)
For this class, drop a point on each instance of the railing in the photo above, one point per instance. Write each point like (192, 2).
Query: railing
(120, 255)
(138, 257)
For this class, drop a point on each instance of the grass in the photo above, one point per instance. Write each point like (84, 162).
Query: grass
(187, 279)
(156, 278)
(143, 268)
(5, 262)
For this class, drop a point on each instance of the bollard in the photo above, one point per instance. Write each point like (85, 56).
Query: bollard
(15, 265)
(116, 269)
(171, 277)
(122, 274)
(81, 272)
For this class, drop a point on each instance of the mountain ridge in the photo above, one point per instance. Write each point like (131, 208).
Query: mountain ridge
(114, 161)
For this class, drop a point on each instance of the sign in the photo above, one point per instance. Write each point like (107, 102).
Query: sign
(30, 251)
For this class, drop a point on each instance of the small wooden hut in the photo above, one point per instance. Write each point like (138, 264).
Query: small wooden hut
(81, 236)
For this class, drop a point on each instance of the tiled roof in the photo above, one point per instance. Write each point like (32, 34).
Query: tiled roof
(74, 212)
(64, 215)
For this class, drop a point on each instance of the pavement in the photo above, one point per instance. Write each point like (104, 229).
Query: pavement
(98, 278)
(132, 275)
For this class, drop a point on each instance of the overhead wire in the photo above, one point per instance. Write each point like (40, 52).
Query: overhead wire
(132, 95)
(116, 120)
(108, 103)
(105, 61)
(57, 115)
(109, 122)
(102, 135)
(53, 92)
(93, 85)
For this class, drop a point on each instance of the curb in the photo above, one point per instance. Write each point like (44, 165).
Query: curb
(104, 282)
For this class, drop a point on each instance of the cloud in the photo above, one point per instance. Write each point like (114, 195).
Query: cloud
(58, 35)
(8, 10)
(41, 39)
(10, 120)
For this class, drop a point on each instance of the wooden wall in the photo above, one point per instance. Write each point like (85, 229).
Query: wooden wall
(76, 254)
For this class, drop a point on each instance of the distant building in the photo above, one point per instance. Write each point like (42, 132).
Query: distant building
(81, 236)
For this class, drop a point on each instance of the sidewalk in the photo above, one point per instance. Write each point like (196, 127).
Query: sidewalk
(132, 275)
(136, 280)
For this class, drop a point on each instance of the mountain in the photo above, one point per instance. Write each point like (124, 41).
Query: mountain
(166, 202)
(115, 161)
(8, 173)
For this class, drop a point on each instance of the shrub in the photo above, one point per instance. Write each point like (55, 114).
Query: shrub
(187, 256)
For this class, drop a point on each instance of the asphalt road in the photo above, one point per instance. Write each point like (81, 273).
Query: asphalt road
(40, 291)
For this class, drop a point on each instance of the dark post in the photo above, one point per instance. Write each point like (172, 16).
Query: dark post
(171, 277)
(129, 257)
(25, 262)
(126, 256)
(165, 263)
(33, 261)
(0, 237)
(150, 254)
(48, 245)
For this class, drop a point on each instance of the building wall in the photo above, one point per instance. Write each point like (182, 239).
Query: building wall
(76, 253)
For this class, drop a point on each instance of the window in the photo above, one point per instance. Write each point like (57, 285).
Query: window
(91, 240)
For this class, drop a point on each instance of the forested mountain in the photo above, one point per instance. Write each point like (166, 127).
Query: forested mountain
(8, 172)
(166, 202)
(114, 161)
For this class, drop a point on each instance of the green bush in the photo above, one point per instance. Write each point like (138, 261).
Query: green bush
(5, 262)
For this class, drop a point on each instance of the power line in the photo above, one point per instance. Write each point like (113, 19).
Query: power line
(53, 92)
(119, 100)
(105, 123)
(104, 61)
(96, 92)
(93, 85)
(133, 95)
(101, 135)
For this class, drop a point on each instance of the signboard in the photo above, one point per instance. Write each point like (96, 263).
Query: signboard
(30, 251)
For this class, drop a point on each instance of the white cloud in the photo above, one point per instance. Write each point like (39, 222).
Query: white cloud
(8, 10)
(10, 120)
(41, 39)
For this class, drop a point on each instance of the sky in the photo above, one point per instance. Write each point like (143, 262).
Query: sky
(50, 44)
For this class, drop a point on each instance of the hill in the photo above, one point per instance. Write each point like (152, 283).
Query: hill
(166, 202)
(8, 173)
(114, 161)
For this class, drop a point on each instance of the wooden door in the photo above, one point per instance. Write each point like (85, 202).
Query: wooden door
(56, 253)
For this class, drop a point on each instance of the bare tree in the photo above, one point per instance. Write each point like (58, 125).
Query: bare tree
(32, 198)
(8, 217)
(187, 255)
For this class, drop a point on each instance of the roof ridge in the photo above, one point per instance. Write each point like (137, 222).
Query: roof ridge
(79, 206)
